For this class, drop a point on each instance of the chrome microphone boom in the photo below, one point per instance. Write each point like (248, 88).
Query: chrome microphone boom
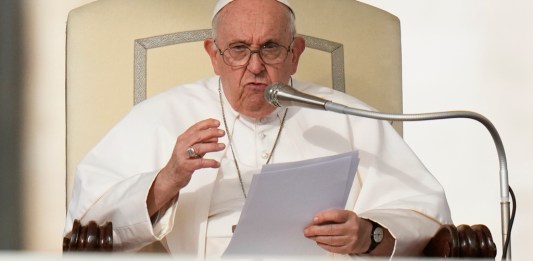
(282, 95)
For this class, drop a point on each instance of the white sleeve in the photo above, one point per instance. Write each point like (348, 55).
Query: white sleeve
(398, 191)
(112, 182)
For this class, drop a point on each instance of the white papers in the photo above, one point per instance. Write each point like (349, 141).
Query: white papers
(283, 200)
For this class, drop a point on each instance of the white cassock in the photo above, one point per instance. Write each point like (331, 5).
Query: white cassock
(392, 186)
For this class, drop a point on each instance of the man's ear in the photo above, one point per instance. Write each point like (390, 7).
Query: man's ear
(298, 48)
(211, 50)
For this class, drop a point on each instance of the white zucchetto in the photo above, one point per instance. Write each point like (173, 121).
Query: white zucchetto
(221, 3)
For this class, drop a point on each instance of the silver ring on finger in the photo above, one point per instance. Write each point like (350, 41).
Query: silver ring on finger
(191, 152)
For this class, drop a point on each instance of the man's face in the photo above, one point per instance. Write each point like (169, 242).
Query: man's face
(253, 23)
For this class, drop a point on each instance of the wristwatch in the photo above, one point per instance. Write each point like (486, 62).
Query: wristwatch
(376, 236)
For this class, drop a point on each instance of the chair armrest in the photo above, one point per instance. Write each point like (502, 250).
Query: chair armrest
(449, 242)
(463, 241)
(89, 238)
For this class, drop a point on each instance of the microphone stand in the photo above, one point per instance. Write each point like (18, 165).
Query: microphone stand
(279, 94)
(504, 179)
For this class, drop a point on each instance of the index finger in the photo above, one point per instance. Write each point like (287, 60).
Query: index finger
(332, 216)
(205, 124)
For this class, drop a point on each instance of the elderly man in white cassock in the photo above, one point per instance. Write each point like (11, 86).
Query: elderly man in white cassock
(178, 167)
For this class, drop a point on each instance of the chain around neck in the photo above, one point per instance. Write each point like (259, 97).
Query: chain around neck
(230, 138)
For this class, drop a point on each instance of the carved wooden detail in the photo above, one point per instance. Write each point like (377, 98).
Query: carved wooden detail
(463, 241)
(450, 241)
(89, 238)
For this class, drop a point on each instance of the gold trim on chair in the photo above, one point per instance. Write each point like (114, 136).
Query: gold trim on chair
(141, 52)
(337, 58)
(141, 47)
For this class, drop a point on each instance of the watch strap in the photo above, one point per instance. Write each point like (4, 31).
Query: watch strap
(373, 243)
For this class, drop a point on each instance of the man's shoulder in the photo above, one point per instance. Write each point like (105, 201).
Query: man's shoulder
(198, 91)
(197, 99)
(198, 88)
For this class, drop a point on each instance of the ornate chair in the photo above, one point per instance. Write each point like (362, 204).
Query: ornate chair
(121, 51)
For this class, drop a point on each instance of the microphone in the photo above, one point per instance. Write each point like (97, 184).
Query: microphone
(282, 95)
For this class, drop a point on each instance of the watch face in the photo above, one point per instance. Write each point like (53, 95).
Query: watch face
(378, 234)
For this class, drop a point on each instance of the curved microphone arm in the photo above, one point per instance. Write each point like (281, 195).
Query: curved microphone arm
(504, 180)
(284, 95)
(504, 190)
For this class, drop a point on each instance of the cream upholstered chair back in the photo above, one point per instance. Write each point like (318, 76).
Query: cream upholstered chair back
(121, 51)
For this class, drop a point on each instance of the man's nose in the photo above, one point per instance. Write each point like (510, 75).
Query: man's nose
(256, 64)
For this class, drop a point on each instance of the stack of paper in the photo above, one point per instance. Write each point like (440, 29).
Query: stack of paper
(283, 200)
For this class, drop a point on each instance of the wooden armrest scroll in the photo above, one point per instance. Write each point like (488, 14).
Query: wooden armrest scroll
(450, 241)
(462, 242)
(89, 238)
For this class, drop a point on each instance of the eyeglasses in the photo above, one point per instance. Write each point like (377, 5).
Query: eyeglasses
(238, 55)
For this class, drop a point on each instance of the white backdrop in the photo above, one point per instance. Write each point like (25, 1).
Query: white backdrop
(469, 55)
(472, 55)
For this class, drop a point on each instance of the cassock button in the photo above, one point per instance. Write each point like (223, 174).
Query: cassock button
(265, 155)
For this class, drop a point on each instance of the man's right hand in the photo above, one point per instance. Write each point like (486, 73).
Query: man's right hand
(203, 137)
